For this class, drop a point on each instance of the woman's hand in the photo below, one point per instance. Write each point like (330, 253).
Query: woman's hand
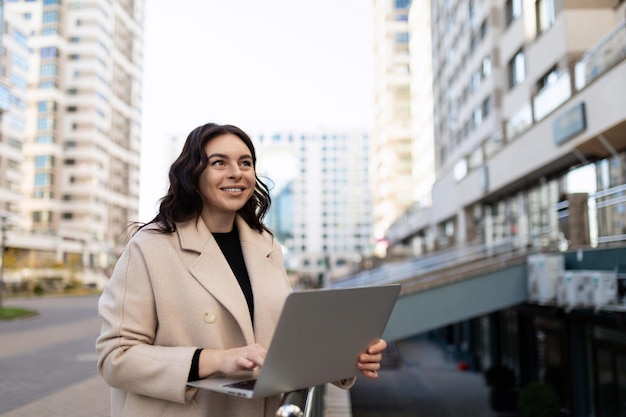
(230, 361)
(369, 362)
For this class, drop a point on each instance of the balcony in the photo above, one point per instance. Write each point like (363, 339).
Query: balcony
(602, 57)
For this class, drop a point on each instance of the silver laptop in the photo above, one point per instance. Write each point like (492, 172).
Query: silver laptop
(318, 339)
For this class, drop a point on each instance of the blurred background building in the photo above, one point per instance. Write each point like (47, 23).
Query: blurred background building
(517, 260)
(321, 201)
(70, 133)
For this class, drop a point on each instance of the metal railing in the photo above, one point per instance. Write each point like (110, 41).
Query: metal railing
(301, 403)
(600, 58)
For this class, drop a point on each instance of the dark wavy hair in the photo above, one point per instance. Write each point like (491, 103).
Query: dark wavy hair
(183, 200)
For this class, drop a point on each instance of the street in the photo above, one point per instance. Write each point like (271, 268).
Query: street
(51, 352)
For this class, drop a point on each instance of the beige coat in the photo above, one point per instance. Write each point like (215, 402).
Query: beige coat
(172, 293)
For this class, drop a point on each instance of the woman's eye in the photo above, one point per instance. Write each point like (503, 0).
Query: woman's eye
(246, 163)
(217, 162)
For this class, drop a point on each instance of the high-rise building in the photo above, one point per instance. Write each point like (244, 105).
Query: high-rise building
(325, 178)
(13, 85)
(82, 121)
(392, 150)
(518, 261)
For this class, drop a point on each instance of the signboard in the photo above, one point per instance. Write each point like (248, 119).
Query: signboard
(569, 124)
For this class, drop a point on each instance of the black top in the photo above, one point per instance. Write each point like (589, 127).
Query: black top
(231, 248)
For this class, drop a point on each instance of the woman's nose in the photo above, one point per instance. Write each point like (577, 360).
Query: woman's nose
(235, 171)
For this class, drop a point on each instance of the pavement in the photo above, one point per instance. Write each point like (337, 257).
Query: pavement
(418, 379)
(47, 368)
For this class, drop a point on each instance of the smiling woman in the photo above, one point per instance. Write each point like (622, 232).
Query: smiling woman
(199, 289)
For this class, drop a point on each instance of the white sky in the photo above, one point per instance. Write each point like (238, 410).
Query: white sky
(270, 65)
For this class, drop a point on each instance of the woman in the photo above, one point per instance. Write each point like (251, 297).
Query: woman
(198, 290)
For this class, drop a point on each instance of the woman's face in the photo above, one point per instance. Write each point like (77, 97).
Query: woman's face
(228, 180)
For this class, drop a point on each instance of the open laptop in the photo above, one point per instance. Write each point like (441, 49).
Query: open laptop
(318, 339)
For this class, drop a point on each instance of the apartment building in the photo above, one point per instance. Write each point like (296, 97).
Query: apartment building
(322, 181)
(81, 131)
(391, 137)
(529, 129)
(13, 87)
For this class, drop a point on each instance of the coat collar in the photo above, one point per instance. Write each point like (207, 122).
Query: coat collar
(215, 275)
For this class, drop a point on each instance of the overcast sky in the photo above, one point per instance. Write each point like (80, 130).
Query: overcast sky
(261, 65)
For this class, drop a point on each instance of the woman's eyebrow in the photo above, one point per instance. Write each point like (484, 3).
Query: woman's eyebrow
(224, 156)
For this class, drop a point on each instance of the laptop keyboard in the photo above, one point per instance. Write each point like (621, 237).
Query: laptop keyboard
(246, 385)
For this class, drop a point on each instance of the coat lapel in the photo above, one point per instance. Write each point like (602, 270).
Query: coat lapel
(256, 250)
(212, 271)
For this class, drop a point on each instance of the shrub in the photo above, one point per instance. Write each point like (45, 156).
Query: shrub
(538, 399)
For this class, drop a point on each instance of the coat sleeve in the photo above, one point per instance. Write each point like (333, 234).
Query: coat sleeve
(127, 357)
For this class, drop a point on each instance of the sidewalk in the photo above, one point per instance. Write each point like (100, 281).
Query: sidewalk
(90, 398)
(421, 383)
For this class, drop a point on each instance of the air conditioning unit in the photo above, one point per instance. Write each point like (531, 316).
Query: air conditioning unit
(543, 272)
(568, 289)
(585, 289)
(604, 285)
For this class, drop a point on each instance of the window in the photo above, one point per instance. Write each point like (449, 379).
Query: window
(43, 161)
(48, 84)
(44, 139)
(402, 37)
(48, 70)
(45, 123)
(548, 79)
(49, 32)
(43, 179)
(546, 14)
(49, 52)
(486, 67)
(403, 4)
(477, 116)
(486, 107)
(517, 69)
(513, 10)
(46, 105)
(472, 14)
(50, 17)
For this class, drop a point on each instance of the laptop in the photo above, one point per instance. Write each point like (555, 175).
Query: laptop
(317, 340)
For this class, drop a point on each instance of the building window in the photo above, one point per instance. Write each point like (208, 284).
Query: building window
(44, 139)
(486, 107)
(50, 16)
(472, 14)
(486, 67)
(45, 123)
(513, 10)
(548, 79)
(49, 32)
(48, 70)
(43, 179)
(546, 14)
(49, 52)
(402, 38)
(43, 161)
(517, 69)
(46, 106)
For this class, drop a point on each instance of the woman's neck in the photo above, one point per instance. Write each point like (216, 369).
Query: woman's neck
(219, 223)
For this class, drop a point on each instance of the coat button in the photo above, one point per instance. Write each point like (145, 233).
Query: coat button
(209, 317)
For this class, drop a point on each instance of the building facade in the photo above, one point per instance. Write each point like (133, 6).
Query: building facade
(81, 131)
(323, 181)
(391, 137)
(529, 136)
